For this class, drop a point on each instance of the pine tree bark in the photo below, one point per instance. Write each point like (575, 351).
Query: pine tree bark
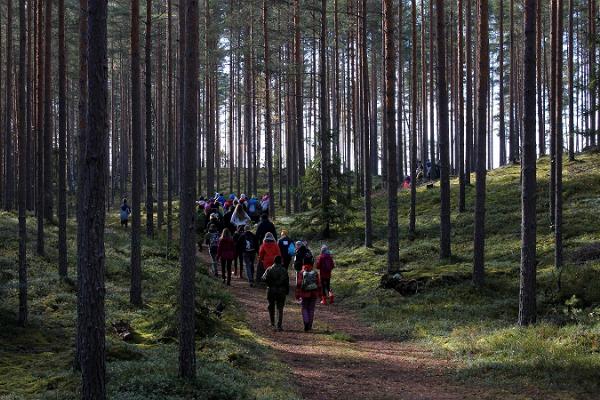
(461, 111)
(170, 122)
(268, 124)
(299, 103)
(469, 98)
(135, 294)
(62, 144)
(482, 99)
(48, 130)
(539, 38)
(92, 187)
(558, 141)
(366, 128)
(413, 127)
(325, 135)
(9, 184)
(187, 357)
(393, 258)
(40, 136)
(22, 151)
(571, 85)
(502, 127)
(149, 140)
(443, 115)
(527, 292)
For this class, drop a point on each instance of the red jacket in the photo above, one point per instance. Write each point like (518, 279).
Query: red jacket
(325, 264)
(307, 294)
(226, 249)
(267, 253)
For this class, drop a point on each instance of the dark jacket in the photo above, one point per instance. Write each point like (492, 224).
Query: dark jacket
(263, 227)
(277, 280)
(303, 257)
(284, 244)
(247, 239)
(325, 264)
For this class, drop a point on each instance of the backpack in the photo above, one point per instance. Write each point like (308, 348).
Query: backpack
(291, 249)
(249, 245)
(252, 207)
(214, 240)
(309, 281)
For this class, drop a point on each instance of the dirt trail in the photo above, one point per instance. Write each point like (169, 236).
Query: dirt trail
(368, 367)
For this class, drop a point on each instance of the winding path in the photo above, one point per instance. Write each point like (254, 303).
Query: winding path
(344, 359)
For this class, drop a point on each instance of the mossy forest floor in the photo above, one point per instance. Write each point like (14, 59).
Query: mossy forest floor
(450, 340)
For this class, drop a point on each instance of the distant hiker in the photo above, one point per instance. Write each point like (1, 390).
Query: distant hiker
(265, 226)
(308, 289)
(303, 256)
(278, 286)
(239, 251)
(230, 200)
(212, 241)
(124, 213)
(267, 253)
(227, 219)
(420, 172)
(325, 265)
(239, 217)
(243, 200)
(287, 248)
(264, 203)
(428, 169)
(226, 254)
(249, 246)
(253, 210)
(406, 183)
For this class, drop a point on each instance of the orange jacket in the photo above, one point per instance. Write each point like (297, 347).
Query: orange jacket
(267, 253)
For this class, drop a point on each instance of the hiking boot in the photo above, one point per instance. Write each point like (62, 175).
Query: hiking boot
(279, 329)
(324, 300)
(306, 328)
(331, 297)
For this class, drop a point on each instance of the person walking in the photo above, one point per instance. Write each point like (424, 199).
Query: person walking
(325, 265)
(212, 241)
(124, 213)
(308, 288)
(239, 251)
(240, 217)
(278, 286)
(267, 253)
(248, 245)
(265, 226)
(287, 248)
(226, 254)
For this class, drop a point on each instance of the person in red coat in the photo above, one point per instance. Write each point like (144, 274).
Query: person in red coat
(308, 289)
(325, 265)
(226, 253)
(267, 253)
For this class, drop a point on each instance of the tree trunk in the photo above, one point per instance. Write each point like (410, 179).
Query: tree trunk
(413, 127)
(443, 115)
(502, 128)
(135, 294)
(469, 89)
(324, 133)
(366, 142)
(22, 149)
(148, 95)
(9, 184)
(539, 66)
(91, 215)
(482, 97)
(393, 258)
(268, 127)
(170, 122)
(299, 102)
(558, 141)
(62, 144)
(48, 131)
(571, 88)
(461, 112)
(187, 357)
(527, 292)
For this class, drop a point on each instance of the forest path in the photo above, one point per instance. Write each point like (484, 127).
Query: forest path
(344, 359)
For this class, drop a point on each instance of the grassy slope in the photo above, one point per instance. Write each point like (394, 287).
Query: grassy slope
(35, 362)
(477, 327)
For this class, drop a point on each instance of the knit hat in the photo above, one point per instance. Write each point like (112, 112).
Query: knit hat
(299, 244)
(269, 237)
(324, 249)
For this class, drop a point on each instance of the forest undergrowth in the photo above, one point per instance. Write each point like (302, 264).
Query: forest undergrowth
(36, 361)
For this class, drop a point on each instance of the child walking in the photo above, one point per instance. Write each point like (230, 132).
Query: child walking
(212, 241)
(308, 289)
(325, 265)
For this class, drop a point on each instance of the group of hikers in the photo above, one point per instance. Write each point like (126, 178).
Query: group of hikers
(428, 172)
(225, 226)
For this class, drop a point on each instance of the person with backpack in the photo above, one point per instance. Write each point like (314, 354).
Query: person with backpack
(226, 254)
(264, 203)
(287, 248)
(248, 245)
(200, 225)
(216, 221)
(325, 265)
(124, 213)
(267, 253)
(265, 226)
(212, 241)
(278, 286)
(303, 256)
(308, 288)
